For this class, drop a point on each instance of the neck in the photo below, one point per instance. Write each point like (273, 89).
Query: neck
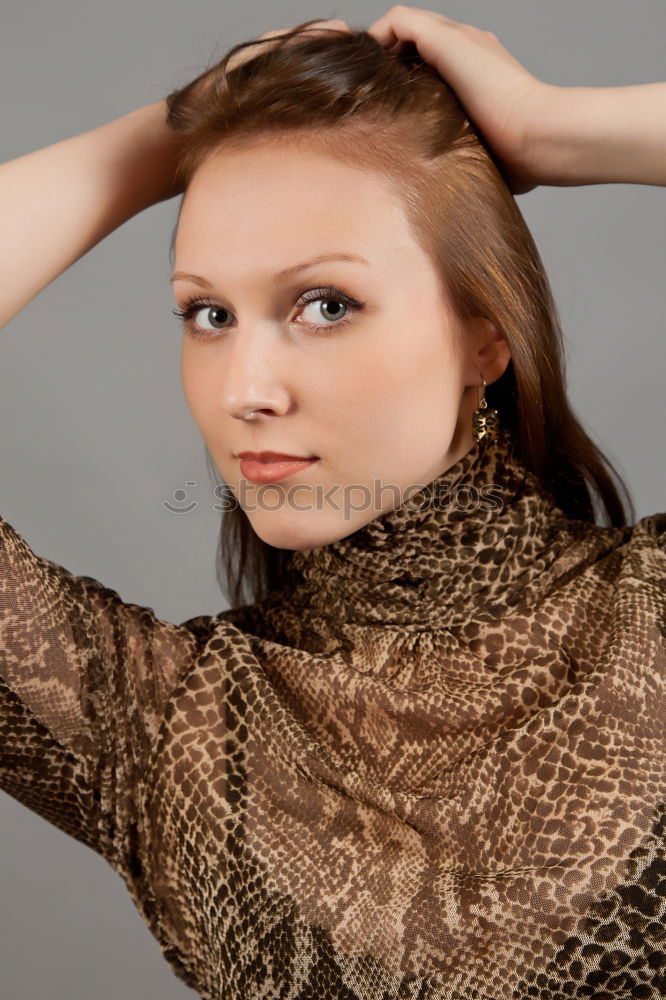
(463, 542)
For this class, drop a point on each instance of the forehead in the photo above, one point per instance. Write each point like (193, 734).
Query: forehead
(280, 196)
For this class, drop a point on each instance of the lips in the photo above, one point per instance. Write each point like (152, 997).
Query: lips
(271, 466)
(273, 456)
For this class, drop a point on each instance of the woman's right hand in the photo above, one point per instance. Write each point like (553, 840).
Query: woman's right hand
(254, 50)
(199, 85)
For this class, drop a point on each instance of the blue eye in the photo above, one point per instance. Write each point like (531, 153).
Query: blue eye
(329, 296)
(191, 308)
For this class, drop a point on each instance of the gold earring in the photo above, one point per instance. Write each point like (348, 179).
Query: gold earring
(485, 422)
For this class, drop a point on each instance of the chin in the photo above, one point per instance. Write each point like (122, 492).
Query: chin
(300, 532)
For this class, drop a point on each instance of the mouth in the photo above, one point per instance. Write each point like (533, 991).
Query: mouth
(270, 467)
(273, 456)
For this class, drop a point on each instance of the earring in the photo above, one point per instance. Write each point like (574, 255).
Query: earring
(485, 422)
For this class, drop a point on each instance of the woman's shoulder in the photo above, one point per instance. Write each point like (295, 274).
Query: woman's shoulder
(630, 547)
(646, 548)
(634, 572)
(652, 526)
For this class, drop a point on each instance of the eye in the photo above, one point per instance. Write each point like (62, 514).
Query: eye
(192, 307)
(331, 299)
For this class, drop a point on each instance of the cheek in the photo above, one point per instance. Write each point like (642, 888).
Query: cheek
(418, 372)
(394, 402)
(198, 383)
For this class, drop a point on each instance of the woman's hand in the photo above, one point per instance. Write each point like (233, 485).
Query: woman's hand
(248, 50)
(254, 50)
(509, 106)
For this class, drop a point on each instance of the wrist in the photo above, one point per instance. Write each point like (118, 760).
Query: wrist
(558, 147)
(159, 149)
(140, 154)
(603, 135)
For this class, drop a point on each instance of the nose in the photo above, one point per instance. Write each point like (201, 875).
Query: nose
(252, 378)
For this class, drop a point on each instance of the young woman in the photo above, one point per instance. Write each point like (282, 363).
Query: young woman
(426, 758)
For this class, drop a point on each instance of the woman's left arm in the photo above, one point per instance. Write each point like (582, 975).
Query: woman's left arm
(607, 135)
(538, 132)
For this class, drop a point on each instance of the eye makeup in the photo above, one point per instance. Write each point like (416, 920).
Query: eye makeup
(329, 293)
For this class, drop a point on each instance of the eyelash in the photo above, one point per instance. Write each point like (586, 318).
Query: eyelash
(192, 305)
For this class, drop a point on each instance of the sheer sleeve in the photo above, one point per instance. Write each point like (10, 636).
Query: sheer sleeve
(84, 680)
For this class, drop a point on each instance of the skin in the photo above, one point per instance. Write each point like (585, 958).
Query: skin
(385, 400)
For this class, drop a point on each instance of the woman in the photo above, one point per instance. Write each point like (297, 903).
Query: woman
(426, 759)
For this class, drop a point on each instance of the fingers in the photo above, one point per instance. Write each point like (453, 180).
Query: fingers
(401, 24)
(335, 23)
(433, 34)
(249, 51)
(471, 60)
(311, 29)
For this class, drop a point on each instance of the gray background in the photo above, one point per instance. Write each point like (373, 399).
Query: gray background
(94, 430)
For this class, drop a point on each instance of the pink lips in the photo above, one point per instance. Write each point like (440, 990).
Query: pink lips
(270, 467)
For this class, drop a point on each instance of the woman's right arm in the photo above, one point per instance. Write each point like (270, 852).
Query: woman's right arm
(58, 202)
(85, 681)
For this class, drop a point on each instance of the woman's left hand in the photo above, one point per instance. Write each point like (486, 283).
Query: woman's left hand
(504, 100)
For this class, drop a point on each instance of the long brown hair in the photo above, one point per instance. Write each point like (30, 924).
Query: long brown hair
(392, 113)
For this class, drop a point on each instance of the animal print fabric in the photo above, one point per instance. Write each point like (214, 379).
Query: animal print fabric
(432, 767)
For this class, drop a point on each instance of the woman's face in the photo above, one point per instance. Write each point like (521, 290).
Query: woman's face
(368, 375)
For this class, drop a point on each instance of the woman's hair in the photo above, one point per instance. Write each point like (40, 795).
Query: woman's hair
(345, 95)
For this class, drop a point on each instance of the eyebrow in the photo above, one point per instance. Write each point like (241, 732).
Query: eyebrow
(284, 275)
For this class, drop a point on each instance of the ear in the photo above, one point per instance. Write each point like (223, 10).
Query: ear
(488, 352)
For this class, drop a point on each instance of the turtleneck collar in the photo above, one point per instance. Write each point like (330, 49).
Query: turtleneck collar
(476, 535)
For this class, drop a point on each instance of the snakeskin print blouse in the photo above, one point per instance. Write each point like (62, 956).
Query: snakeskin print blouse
(433, 766)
